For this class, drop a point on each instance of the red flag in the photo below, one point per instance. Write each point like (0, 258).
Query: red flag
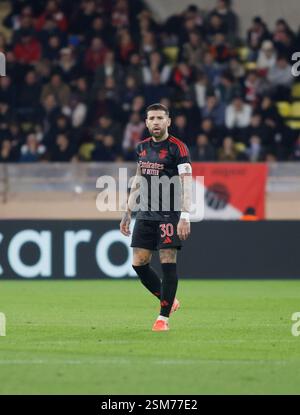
(230, 188)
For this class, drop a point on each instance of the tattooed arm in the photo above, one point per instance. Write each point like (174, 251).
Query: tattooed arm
(126, 219)
(184, 227)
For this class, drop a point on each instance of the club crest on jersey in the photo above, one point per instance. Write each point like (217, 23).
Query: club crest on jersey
(143, 153)
(163, 153)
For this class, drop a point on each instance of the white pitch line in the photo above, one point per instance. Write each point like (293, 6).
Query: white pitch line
(65, 343)
(158, 362)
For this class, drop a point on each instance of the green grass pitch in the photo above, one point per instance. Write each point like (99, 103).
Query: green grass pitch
(94, 337)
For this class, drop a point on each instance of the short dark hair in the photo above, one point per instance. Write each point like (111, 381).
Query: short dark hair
(157, 107)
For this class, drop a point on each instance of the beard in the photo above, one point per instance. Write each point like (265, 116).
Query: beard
(158, 133)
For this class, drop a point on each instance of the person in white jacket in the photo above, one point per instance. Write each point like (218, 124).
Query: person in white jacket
(238, 114)
(267, 56)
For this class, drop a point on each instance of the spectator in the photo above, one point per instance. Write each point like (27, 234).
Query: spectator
(133, 134)
(28, 50)
(255, 151)
(156, 64)
(60, 125)
(111, 90)
(106, 127)
(129, 92)
(62, 151)
(182, 76)
(228, 18)
(237, 69)
(120, 14)
(29, 96)
(76, 110)
(155, 90)
(200, 89)
(283, 38)
(227, 88)
(257, 33)
(214, 26)
(193, 51)
(138, 104)
(81, 89)
(125, 46)
(3, 42)
(51, 29)
(110, 68)
(67, 65)
(148, 44)
(83, 16)
(227, 152)
(106, 149)
(215, 110)
(99, 28)
(32, 150)
(15, 134)
(95, 55)
(203, 151)
(180, 128)
(238, 114)
(6, 153)
(266, 57)
(6, 115)
(7, 91)
(219, 49)
(269, 111)
(207, 127)
(252, 87)
(211, 69)
(280, 78)
(255, 128)
(134, 68)
(53, 10)
(56, 87)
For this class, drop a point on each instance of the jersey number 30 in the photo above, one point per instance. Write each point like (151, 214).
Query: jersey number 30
(167, 229)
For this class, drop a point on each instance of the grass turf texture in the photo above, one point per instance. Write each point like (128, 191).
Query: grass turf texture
(94, 337)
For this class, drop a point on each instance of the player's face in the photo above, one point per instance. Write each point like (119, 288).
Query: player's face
(157, 123)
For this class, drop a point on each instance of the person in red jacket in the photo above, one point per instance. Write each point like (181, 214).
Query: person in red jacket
(28, 50)
(52, 10)
(95, 55)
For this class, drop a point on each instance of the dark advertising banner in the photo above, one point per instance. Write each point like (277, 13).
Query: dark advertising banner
(96, 249)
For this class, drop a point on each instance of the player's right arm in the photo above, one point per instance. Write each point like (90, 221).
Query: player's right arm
(126, 219)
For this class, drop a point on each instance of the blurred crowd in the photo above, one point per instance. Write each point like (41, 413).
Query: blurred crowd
(80, 75)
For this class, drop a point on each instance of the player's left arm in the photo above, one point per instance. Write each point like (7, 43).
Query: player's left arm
(185, 173)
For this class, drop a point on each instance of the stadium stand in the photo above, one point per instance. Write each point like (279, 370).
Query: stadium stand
(80, 75)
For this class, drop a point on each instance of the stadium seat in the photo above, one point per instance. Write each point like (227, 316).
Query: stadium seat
(294, 125)
(250, 66)
(240, 147)
(243, 53)
(284, 108)
(296, 90)
(295, 109)
(85, 151)
(171, 53)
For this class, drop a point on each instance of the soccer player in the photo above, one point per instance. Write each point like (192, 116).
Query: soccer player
(158, 156)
